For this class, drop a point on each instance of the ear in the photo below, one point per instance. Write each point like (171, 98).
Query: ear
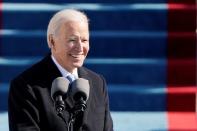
(51, 41)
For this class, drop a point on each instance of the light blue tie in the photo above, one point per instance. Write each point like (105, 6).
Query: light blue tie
(71, 77)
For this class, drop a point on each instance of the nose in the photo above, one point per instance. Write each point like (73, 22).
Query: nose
(79, 46)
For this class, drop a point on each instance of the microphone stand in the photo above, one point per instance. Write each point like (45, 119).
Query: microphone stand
(79, 107)
(60, 107)
(70, 123)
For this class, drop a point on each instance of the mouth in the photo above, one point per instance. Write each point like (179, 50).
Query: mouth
(76, 56)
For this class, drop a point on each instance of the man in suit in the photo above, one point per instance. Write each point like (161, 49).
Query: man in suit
(31, 107)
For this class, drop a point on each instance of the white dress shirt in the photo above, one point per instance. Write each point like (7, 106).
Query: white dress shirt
(63, 71)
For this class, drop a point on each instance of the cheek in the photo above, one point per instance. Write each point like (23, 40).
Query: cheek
(86, 48)
(60, 49)
(64, 47)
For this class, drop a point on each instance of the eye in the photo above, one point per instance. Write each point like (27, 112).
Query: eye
(84, 40)
(72, 40)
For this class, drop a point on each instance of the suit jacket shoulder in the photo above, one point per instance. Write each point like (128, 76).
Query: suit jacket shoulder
(43, 72)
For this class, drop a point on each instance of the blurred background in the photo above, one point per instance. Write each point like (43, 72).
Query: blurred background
(146, 50)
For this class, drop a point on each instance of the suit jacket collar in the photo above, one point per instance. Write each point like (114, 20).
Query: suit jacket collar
(47, 71)
(53, 72)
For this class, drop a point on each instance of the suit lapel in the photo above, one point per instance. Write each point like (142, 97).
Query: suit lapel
(50, 71)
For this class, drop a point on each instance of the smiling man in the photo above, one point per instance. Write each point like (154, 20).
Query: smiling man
(69, 39)
(30, 104)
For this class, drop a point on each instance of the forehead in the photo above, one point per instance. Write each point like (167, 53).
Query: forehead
(75, 26)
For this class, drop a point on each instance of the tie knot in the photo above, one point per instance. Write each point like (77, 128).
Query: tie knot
(71, 77)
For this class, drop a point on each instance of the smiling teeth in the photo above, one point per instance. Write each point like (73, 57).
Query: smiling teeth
(75, 55)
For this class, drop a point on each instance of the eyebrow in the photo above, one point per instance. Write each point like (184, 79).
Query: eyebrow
(76, 36)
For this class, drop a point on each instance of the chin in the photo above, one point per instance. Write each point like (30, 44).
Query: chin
(77, 65)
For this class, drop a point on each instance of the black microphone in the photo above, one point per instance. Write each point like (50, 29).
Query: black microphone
(59, 93)
(80, 93)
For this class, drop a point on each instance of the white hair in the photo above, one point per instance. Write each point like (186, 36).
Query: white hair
(61, 17)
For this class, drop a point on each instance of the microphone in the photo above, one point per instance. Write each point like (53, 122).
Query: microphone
(59, 92)
(80, 93)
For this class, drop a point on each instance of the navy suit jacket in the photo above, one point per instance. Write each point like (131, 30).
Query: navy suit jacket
(31, 107)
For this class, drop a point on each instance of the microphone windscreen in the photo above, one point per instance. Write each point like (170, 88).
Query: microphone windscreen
(59, 86)
(80, 88)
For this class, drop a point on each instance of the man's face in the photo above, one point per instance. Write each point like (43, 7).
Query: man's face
(71, 44)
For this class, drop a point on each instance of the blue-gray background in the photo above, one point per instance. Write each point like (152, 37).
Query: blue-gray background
(128, 46)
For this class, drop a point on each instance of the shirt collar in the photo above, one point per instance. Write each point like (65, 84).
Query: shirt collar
(63, 71)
